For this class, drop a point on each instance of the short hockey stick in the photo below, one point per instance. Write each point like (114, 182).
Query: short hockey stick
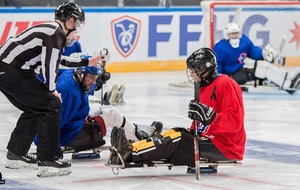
(196, 145)
(104, 52)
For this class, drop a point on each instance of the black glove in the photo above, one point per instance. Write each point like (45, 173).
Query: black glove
(201, 112)
(105, 76)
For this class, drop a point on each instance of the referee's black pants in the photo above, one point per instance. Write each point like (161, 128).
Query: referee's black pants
(41, 112)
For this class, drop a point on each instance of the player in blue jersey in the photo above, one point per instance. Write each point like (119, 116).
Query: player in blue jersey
(78, 129)
(232, 51)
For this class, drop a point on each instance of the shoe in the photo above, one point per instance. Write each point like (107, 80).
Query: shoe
(140, 134)
(155, 128)
(122, 145)
(15, 161)
(113, 133)
(30, 158)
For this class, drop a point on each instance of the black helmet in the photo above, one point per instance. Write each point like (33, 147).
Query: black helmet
(203, 61)
(67, 10)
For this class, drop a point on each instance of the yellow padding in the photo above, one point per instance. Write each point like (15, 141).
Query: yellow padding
(171, 133)
(144, 145)
(144, 66)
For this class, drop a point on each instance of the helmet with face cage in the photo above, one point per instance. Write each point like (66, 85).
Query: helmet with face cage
(203, 61)
(68, 10)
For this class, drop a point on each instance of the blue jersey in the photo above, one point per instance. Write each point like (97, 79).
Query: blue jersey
(75, 48)
(231, 60)
(75, 107)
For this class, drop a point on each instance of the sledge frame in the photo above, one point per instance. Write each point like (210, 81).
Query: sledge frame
(203, 163)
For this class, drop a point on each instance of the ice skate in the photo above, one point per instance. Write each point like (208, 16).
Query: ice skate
(122, 147)
(53, 168)
(15, 161)
(140, 134)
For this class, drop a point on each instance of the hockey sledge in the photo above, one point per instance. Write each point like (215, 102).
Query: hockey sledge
(205, 165)
(83, 152)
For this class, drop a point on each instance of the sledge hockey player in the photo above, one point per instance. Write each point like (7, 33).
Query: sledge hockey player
(38, 48)
(219, 116)
(80, 131)
(236, 47)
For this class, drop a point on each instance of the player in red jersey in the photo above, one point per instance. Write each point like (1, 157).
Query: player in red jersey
(219, 116)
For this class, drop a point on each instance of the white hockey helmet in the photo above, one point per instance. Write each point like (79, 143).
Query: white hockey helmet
(232, 33)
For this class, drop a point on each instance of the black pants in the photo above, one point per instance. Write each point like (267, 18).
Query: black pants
(178, 149)
(41, 112)
(243, 75)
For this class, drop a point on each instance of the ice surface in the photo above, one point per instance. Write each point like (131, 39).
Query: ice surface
(272, 159)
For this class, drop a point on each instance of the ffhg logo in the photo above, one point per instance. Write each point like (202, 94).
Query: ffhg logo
(125, 32)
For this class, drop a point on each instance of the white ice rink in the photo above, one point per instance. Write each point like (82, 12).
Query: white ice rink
(272, 158)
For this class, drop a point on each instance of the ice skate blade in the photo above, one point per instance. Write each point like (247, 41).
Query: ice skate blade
(18, 164)
(46, 171)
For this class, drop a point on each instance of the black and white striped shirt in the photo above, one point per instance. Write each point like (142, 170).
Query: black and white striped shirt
(38, 49)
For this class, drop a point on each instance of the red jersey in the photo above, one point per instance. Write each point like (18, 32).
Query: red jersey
(226, 131)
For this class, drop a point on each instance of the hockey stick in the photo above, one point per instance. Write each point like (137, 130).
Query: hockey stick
(237, 15)
(196, 145)
(280, 49)
(104, 52)
(282, 43)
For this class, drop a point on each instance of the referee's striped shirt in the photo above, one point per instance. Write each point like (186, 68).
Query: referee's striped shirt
(38, 49)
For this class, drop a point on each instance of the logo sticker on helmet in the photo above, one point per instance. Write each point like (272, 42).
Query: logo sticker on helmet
(125, 32)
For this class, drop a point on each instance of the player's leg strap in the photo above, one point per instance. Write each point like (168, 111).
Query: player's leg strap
(90, 136)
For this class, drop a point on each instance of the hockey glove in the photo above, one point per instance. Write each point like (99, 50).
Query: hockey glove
(201, 112)
(105, 76)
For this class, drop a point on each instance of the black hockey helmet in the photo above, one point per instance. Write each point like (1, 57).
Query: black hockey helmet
(203, 61)
(68, 10)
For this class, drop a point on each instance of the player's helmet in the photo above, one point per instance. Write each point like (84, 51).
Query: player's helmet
(68, 10)
(232, 33)
(203, 61)
(81, 72)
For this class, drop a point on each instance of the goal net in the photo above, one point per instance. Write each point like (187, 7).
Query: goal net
(274, 22)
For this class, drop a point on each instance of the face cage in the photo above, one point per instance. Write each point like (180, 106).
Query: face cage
(196, 71)
(188, 76)
(78, 25)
